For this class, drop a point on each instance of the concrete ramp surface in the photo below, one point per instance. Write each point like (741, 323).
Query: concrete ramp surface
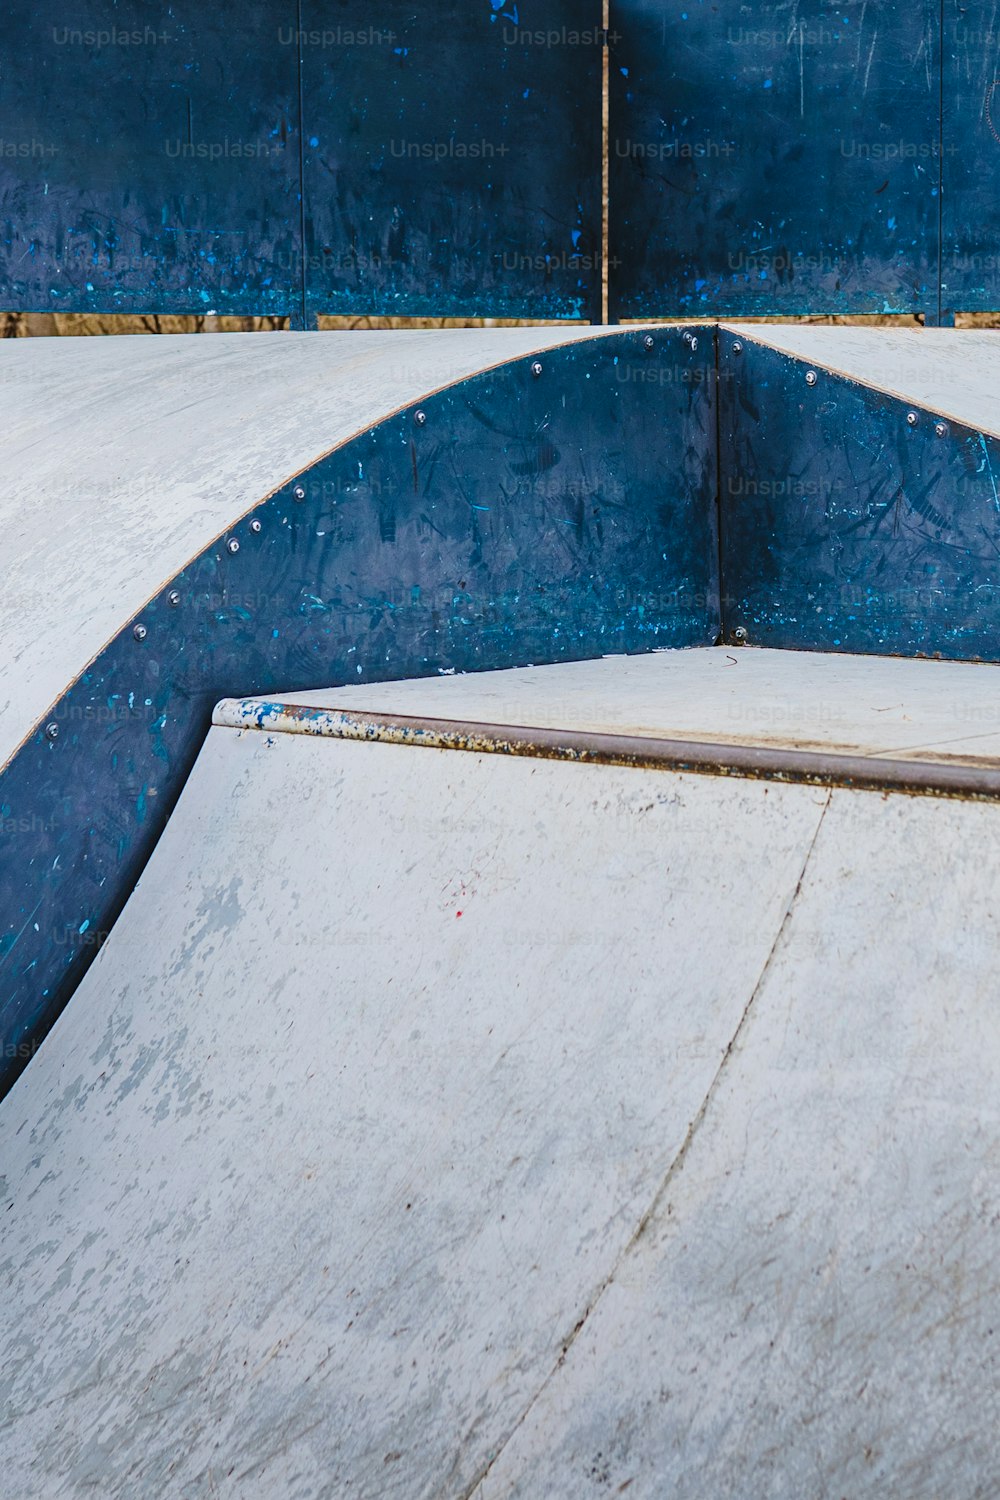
(465, 1124)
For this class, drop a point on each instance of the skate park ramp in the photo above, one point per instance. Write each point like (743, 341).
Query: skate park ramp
(459, 1122)
(517, 929)
(183, 519)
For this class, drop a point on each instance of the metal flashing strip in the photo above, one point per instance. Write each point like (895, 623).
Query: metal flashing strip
(862, 773)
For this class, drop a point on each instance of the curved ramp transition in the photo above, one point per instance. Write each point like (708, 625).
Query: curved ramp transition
(488, 1125)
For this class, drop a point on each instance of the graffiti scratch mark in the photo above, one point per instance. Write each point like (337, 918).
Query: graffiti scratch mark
(988, 466)
(991, 91)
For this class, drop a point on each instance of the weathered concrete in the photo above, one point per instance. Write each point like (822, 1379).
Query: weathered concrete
(811, 1307)
(464, 1125)
(396, 1050)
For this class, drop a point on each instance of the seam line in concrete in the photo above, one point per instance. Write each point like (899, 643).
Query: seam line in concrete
(674, 1168)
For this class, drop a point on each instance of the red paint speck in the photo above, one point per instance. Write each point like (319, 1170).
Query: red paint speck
(458, 914)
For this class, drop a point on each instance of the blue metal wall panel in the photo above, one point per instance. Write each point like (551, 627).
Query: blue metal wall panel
(970, 247)
(453, 158)
(761, 161)
(452, 162)
(529, 518)
(149, 158)
(844, 528)
(769, 159)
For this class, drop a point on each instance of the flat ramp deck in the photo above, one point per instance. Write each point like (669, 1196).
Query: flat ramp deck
(881, 707)
(440, 1124)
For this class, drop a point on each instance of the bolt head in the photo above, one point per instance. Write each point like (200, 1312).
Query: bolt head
(255, 526)
(140, 632)
(740, 635)
(52, 731)
(911, 419)
(299, 493)
(536, 369)
(694, 345)
(811, 377)
(737, 346)
(420, 418)
(173, 598)
(649, 343)
(940, 429)
(232, 545)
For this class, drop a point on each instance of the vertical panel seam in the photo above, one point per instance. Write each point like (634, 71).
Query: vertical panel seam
(606, 267)
(721, 556)
(302, 167)
(940, 254)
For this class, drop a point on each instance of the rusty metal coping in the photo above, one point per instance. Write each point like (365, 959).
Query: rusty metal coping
(777, 763)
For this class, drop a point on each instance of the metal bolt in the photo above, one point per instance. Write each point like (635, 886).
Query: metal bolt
(140, 632)
(911, 419)
(52, 731)
(233, 545)
(420, 418)
(255, 526)
(299, 492)
(536, 369)
(737, 347)
(940, 429)
(811, 377)
(740, 635)
(173, 598)
(649, 343)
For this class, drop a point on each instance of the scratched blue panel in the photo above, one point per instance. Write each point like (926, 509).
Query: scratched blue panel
(773, 158)
(528, 519)
(970, 250)
(846, 529)
(149, 158)
(453, 157)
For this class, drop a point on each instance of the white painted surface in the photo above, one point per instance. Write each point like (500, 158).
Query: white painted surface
(811, 1309)
(861, 705)
(123, 458)
(315, 1176)
(951, 371)
(445, 1125)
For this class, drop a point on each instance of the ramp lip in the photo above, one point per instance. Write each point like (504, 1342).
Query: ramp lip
(883, 379)
(869, 773)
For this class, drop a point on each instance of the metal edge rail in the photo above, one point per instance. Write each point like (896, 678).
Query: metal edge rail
(586, 747)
